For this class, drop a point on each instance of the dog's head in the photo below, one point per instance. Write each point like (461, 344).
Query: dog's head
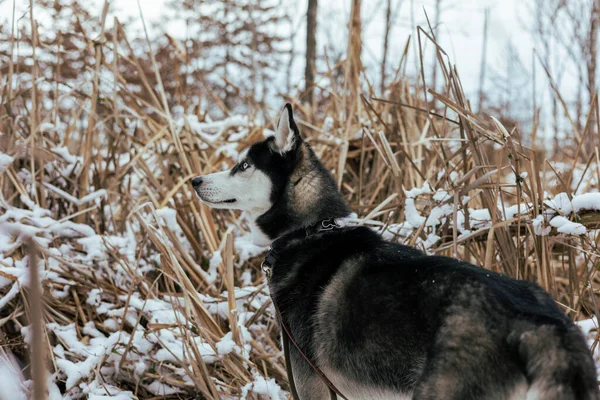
(279, 182)
(258, 178)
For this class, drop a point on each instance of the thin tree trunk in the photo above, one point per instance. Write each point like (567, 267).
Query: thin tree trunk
(288, 87)
(413, 28)
(388, 18)
(353, 62)
(591, 64)
(483, 65)
(437, 38)
(510, 61)
(579, 101)
(311, 52)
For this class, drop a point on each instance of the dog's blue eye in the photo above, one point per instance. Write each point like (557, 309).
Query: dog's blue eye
(244, 166)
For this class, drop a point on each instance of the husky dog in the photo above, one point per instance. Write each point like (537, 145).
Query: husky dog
(385, 321)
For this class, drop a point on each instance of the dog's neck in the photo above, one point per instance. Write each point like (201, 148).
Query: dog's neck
(310, 195)
(274, 224)
(293, 211)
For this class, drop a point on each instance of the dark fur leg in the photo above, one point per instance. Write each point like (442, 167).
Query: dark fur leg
(557, 362)
(308, 384)
(465, 365)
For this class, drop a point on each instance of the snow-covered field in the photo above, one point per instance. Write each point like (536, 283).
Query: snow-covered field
(148, 293)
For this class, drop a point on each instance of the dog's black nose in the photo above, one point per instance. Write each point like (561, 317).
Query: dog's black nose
(197, 181)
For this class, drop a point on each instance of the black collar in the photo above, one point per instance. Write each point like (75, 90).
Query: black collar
(324, 225)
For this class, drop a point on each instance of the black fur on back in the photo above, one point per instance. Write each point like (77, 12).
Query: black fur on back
(434, 326)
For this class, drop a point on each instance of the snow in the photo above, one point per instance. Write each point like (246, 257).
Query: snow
(581, 202)
(226, 345)
(11, 377)
(93, 353)
(589, 328)
(431, 240)
(555, 216)
(65, 154)
(111, 392)
(98, 194)
(213, 265)
(480, 218)
(540, 226)
(5, 161)
(431, 209)
(441, 195)
(176, 352)
(414, 192)
(264, 387)
(85, 199)
(437, 214)
(94, 297)
(161, 389)
(586, 202)
(245, 247)
(516, 210)
(412, 214)
(218, 128)
(563, 225)
(158, 311)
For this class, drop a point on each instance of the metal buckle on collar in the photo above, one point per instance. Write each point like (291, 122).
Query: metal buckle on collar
(328, 224)
(322, 226)
(267, 271)
(267, 263)
(265, 266)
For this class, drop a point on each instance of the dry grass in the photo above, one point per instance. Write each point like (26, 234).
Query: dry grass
(133, 145)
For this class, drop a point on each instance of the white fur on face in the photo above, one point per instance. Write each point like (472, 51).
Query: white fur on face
(250, 190)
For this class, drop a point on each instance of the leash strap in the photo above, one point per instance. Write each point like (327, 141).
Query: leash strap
(288, 366)
(333, 391)
(288, 369)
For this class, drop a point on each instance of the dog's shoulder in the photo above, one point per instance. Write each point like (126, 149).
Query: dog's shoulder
(311, 262)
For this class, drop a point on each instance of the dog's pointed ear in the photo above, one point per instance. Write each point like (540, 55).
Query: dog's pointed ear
(287, 135)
